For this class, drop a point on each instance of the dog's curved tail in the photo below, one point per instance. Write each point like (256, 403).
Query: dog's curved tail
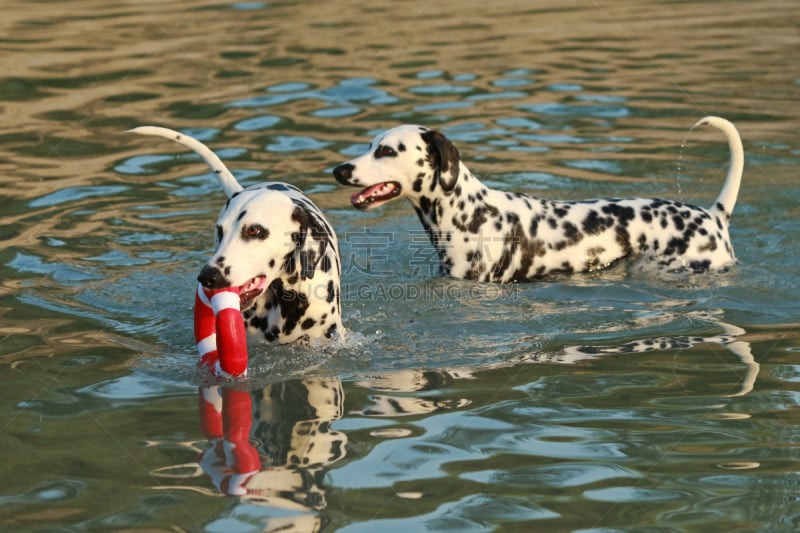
(226, 179)
(730, 189)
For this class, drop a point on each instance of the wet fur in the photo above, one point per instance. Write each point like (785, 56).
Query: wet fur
(272, 230)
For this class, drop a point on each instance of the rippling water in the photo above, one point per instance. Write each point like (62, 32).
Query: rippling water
(454, 405)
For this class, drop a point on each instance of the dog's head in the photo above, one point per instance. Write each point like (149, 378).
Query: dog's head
(407, 161)
(264, 233)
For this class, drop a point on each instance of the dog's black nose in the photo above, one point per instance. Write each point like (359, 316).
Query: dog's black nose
(212, 278)
(344, 173)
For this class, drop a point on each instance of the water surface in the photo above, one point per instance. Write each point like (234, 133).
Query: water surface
(610, 401)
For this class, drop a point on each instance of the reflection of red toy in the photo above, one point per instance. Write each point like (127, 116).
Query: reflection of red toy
(219, 331)
(226, 420)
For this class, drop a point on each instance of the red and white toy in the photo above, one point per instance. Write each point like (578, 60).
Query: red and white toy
(219, 331)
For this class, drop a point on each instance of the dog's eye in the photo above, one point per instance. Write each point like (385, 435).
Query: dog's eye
(255, 231)
(385, 151)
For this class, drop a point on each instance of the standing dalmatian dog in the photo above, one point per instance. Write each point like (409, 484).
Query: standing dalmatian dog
(276, 246)
(490, 235)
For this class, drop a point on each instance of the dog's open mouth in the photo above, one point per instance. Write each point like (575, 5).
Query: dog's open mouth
(251, 290)
(375, 195)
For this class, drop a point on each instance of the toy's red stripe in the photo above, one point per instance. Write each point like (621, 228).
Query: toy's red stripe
(219, 330)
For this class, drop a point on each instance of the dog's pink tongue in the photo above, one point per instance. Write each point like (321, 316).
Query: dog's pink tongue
(359, 197)
(256, 284)
(373, 194)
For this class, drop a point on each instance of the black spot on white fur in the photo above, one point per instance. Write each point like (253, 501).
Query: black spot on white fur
(292, 306)
(506, 237)
(284, 241)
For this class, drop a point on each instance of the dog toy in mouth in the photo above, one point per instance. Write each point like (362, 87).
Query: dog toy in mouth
(219, 331)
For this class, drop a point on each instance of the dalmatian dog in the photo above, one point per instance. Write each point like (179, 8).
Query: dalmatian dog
(277, 246)
(491, 235)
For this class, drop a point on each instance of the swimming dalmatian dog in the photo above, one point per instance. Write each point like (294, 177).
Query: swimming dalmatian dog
(497, 236)
(277, 246)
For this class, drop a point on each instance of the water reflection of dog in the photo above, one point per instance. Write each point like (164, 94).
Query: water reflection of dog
(393, 399)
(273, 445)
(421, 381)
(729, 339)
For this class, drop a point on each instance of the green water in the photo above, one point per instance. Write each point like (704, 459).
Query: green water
(453, 405)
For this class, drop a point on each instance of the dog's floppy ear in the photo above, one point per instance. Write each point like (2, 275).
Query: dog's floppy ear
(310, 243)
(444, 159)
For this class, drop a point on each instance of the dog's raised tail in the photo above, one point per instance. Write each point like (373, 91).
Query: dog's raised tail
(730, 189)
(225, 177)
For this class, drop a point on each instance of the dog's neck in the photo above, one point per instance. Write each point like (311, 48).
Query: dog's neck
(292, 297)
(445, 214)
